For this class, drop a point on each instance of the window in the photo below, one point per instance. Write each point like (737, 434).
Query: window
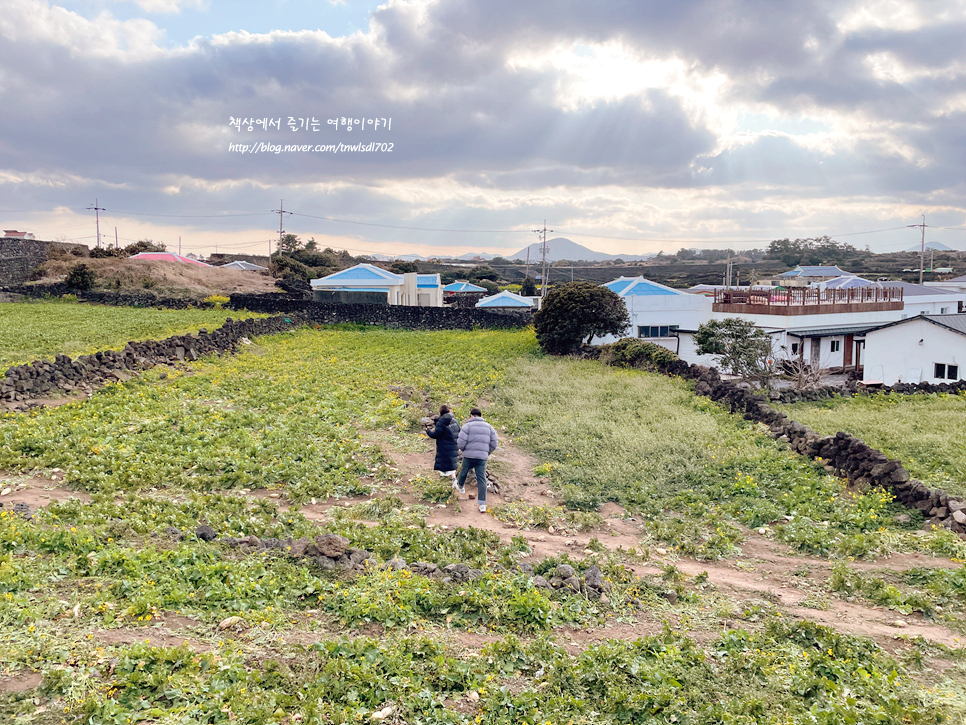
(657, 330)
(794, 348)
(943, 310)
(952, 372)
(939, 370)
(835, 345)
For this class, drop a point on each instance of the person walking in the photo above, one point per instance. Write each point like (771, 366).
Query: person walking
(477, 440)
(445, 431)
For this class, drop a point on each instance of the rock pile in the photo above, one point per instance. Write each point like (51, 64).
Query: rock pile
(329, 551)
(63, 376)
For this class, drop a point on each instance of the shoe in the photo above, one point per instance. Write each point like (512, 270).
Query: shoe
(482, 508)
(456, 487)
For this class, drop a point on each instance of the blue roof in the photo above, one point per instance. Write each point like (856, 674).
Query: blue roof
(640, 287)
(801, 271)
(504, 299)
(462, 287)
(361, 274)
(619, 285)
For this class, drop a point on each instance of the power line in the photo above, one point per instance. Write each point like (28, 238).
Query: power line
(415, 229)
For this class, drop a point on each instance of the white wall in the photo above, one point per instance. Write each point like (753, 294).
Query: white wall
(894, 354)
(686, 311)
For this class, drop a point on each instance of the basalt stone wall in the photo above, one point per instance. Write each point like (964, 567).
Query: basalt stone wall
(19, 257)
(105, 297)
(42, 379)
(792, 396)
(393, 316)
(843, 454)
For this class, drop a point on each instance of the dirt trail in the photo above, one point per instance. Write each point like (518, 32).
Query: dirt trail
(766, 569)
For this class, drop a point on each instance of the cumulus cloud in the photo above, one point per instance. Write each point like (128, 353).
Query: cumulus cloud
(600, 114)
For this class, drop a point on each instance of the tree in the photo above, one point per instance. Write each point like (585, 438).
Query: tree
(745, 350)
(289, 243)
(529, 287)
(578, 311)
(311, 246)
(80, 276)
(483, 271)
(403, 267)
(143, 245)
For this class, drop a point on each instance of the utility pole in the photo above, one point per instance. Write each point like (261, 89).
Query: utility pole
(543, 264)
(97, 218)
(922, 250)
(116, 245)
(281, 214)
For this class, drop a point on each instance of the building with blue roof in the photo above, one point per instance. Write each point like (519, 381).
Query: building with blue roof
(660, 313)
(367, 283)
(504, 299)
(461, 286)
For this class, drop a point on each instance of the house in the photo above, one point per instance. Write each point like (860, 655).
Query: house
(462, 286)
(804, 276)
(165, 257)
(924, 348)
(923, 300)
(661, 314)
(505, 300)
(244, 266)
(14, 234)
(366, 283)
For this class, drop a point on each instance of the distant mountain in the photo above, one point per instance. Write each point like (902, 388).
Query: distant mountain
(560, 248)
(936, 246)
(473, 256)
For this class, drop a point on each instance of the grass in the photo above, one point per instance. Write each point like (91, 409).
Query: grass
(41, 330)
(693, 472)
(294, 412)
(919, 430)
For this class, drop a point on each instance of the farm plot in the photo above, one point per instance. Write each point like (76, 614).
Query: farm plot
(41, 330)
(130, 615)
(923, 431)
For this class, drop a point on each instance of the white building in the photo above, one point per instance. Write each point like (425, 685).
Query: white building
(661, 314)
(926, 348)
(368, 283)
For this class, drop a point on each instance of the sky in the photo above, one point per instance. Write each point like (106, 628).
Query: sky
(628, 126)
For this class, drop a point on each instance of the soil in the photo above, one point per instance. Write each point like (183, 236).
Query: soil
(765, 570)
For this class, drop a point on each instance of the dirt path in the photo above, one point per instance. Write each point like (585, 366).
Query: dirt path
(765, 570)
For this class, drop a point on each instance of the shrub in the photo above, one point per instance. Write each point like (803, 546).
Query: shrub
(217, 301)
(632, 353)
(80, 276)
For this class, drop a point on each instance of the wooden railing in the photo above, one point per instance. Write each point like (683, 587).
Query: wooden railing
(802, 296)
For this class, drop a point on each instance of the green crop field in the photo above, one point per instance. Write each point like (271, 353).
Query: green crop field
(922, 431)
(40, 330)
(124, 615)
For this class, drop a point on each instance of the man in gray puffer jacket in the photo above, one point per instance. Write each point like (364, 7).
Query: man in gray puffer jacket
(477, 440)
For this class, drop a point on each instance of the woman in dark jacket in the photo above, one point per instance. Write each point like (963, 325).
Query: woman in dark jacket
(445, 432)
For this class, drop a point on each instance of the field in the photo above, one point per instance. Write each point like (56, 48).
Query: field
(40, 330)
(923, 431)
(743, 585)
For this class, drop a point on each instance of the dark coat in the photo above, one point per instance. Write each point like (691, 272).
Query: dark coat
(446, 433)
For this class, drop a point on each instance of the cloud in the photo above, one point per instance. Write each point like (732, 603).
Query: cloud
(623, 115)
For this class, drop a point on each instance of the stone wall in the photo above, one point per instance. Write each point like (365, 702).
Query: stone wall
(842, 454)
(105, 297)
(393, 316)
(63, 376)
(19, 257)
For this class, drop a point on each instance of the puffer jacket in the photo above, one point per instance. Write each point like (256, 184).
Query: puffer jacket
(445, 432)
(478, 439)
